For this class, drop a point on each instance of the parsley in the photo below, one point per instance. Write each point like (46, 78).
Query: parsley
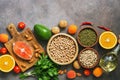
(44, 69)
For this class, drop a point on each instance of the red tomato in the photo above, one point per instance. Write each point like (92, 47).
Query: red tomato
(3, 50)
(21, 25)
(87, 72)
(17, 69)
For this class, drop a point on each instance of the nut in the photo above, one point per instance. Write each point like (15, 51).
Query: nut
(37, 50)
(23, 66)
(29, 38)
(63, 23)
(30, 61)
(76, 65)
(65, 70)
(37, 55)
(55, 30)
(78, 74)
(61, 72)
(35, 46)
(26, 36)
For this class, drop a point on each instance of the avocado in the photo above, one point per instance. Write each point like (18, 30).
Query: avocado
(42, 32)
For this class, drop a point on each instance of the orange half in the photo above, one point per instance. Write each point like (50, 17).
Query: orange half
(107, 40)
(7, 63)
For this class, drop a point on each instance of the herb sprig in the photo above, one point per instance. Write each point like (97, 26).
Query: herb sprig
(44, 69)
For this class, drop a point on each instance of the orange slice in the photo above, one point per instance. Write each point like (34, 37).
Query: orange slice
(107, 40)
(7, 63)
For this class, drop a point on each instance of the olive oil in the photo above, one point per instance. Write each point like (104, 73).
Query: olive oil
(108, 62)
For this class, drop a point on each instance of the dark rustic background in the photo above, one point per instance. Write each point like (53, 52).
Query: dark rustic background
(50, 12)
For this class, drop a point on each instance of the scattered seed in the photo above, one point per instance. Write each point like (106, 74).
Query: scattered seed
(37, 55)
(26, 36)
(31, 60)
(78, 74)
(37, 50)
(23, 66)
(35, 46)
(65, 70)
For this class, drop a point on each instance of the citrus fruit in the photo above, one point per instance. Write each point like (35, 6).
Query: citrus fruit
(22, 50)
(107, 40)
(72, 29)
(3, 37)
(97, 72)
(7, 63)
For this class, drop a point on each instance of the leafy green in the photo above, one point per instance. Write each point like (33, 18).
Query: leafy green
(44, 69)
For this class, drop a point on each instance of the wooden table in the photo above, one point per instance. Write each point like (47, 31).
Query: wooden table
(50, 12)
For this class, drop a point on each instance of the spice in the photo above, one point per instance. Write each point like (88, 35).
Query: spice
(104, 28)
(87, 37)
(86, 23)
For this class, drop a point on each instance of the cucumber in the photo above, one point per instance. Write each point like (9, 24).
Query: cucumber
(42, 32)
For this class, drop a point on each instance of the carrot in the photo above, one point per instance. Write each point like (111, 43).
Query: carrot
(71, 74)
(97, 72)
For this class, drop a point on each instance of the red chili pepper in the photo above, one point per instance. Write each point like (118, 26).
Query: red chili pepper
(104, 28)
(86, 23)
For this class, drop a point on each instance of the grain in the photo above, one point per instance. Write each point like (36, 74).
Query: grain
(88, 58)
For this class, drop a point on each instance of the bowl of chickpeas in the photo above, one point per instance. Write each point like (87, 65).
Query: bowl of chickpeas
(62, 49)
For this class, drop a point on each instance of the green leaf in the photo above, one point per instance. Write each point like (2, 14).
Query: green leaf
(40, 79)
(44, 69)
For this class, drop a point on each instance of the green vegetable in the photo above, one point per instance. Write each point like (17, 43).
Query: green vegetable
(42, 32)
(44, 69)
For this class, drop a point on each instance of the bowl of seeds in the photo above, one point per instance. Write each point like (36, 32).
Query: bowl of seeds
(87, 36)
(62, 49)
(88, 58)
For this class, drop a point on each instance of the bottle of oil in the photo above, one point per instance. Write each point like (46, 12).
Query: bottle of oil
(109, 61)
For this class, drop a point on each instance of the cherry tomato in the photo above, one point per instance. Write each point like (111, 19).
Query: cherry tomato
(3, 50)
(87, 72)
(21, 25)
(17, 69)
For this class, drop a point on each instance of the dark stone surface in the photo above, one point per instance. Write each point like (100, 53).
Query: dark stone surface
(50, 12)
